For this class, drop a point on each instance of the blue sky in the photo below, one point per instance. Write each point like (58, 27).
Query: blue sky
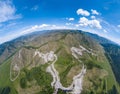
(18, 17)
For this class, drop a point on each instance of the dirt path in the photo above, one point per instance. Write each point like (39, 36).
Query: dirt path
(75, 87)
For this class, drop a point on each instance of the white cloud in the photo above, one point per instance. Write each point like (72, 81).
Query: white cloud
(35, 28)
(71, 19)
(77, 25)
(52, 27)
(92, 17)
(105, 31)
(84, 21)
(110, 27)
(7, 11)
(83, 12)
(35, 8)
(68, 24)
(92, 23)
(94, 12)
(21, 32)
(30, 29)
(42, 27)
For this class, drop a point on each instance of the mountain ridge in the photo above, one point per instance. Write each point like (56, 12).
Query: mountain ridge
(24, 38)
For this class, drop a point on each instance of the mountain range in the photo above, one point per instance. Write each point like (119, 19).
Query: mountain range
(60, 62)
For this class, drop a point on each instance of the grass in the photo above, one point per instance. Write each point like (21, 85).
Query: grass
(5, 74)
(38, 74)
(5, 82)
(92, 62)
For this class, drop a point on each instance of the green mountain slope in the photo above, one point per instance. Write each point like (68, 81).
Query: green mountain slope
(113, 54)
(112, 51)
(26, 70)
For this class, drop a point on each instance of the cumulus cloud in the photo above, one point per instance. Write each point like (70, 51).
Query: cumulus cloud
(92, 23)
(94, 12)
(71, 19)
(7, 11)
(83, 12)
(92, 17)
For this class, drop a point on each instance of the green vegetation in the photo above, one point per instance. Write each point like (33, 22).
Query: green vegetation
(61, 91)
(5, 74)
(6, 86)
(5, 90)
(90, 63)
(38, 74)
(63, 66)
(23, 82)
(113, 55)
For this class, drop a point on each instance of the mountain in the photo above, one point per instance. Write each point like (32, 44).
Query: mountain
(59, 62)
(112, 52)
(8, 48)
(100, 39)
